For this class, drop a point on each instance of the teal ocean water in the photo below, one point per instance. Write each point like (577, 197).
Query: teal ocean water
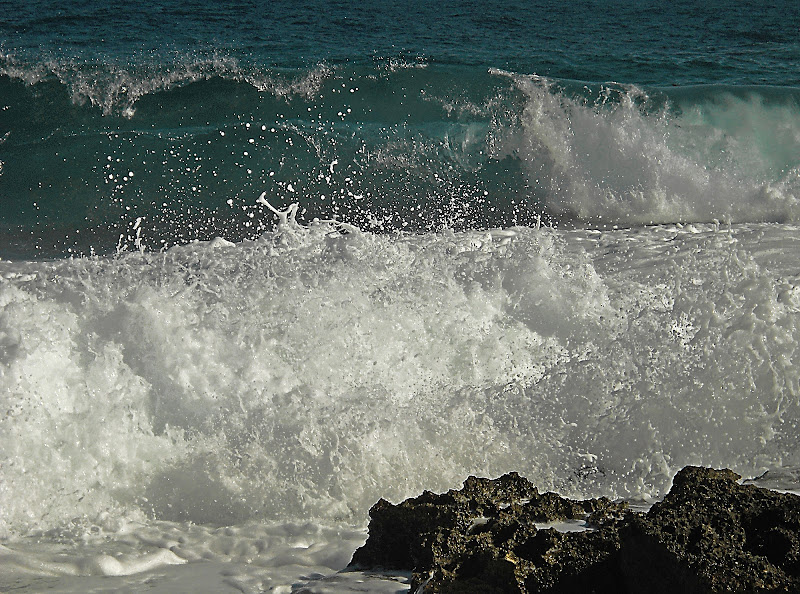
(393, 117)
(262, 263)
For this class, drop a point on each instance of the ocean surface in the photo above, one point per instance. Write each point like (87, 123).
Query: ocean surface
(263, 263)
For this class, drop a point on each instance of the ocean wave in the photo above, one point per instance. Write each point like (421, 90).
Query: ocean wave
(115, 88)
(384, 144)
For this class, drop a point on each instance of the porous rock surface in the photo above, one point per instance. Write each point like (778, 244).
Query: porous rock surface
(709, 534)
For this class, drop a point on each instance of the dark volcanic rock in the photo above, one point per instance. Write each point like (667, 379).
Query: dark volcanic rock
(483, 538)
(710, 534)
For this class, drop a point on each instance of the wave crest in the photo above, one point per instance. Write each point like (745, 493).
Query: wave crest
(184, 148)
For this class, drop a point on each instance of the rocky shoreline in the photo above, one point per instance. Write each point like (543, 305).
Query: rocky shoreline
(709, 534)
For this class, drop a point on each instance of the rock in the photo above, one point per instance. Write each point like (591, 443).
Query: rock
(709, 534)
(483, 538)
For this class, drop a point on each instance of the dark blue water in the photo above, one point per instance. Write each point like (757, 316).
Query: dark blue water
(646, 42)
(143, 125)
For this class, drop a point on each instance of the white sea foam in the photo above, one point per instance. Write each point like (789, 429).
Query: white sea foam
(170, 557)
(300, 377)
(624, 158)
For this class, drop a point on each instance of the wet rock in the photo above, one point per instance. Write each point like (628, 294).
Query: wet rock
(709, 534)
(484, 538)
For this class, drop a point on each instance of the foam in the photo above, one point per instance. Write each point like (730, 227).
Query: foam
(628, 156)
(312, 371)
(166, 556)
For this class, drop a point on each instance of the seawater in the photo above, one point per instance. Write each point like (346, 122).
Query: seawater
(262, 265)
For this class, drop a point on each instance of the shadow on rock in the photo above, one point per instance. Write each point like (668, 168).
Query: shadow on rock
(709, 534)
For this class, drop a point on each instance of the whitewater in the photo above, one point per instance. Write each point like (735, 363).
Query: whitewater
(262, 267)
(281, 386)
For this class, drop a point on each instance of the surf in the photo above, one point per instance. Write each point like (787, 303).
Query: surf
(385, 148)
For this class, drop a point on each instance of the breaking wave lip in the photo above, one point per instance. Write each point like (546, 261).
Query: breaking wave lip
(613, 154)
(115, 88)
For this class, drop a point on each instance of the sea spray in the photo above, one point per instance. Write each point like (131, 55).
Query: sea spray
(315, 369)
(622, 154)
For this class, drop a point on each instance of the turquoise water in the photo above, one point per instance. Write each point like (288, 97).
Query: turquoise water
(392, 117)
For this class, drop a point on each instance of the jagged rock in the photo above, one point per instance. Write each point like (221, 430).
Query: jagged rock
(483, 538)
(709, 534)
